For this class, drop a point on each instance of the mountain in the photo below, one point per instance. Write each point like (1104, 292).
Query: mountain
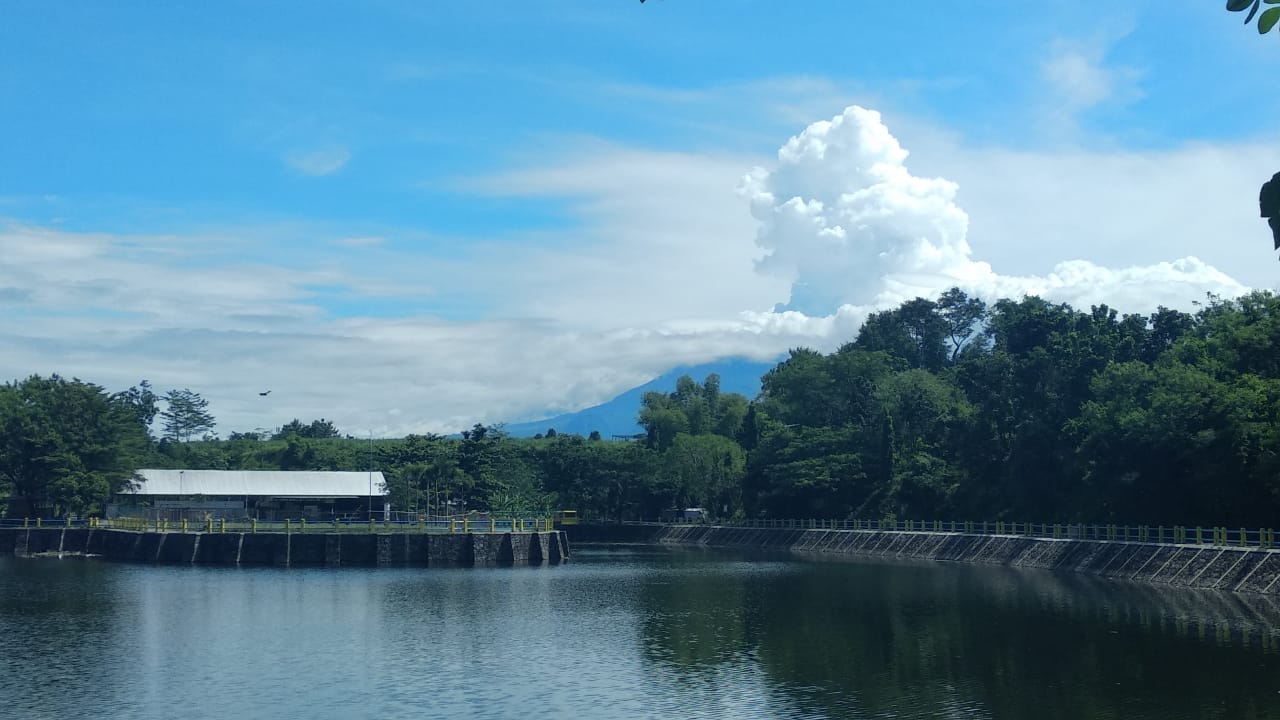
(618, 416)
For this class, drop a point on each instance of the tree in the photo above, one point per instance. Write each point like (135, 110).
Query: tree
(662, 419)
(187, 415)
(706, 471)
(142, 401)
(478, 458)
(316, 430)
(915, 332)
(65, 445)
(963, 317)
(923, 414)
(692, 409)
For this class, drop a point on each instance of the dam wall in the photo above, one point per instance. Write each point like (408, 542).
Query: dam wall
(292, 549)
(1219, 567)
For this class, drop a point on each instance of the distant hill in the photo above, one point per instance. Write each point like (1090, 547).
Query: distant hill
(618, 416)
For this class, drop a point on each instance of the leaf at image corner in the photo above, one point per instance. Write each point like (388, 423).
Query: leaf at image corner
(1268, 20)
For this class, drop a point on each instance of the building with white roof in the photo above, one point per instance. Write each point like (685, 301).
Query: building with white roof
(262, 494)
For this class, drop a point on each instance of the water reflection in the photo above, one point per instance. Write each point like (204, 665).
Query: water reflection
(637, 633)
(880, 640)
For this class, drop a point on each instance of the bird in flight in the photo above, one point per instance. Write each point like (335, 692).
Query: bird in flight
(264, 394)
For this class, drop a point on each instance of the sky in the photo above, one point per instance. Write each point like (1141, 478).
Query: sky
(415, 216)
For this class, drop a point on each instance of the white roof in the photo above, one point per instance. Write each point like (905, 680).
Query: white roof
(272, 483)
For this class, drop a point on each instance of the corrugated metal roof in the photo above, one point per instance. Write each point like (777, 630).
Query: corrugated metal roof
(273, 483)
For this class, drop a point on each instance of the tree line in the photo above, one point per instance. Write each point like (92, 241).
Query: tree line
(939, 409)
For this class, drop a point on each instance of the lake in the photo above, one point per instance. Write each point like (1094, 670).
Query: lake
(626, 633)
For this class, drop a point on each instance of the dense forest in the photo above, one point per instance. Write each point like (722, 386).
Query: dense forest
(939, 409)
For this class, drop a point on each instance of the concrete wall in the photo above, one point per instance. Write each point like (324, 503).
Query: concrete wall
(281, 549)
(1252, 570)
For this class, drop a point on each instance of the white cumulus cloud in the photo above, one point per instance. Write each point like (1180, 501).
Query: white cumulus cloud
(845, 221)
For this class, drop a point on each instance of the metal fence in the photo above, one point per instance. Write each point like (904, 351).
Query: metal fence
(1165, 534)
(1172, 534)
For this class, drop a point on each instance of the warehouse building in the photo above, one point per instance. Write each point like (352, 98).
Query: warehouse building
(261, 494)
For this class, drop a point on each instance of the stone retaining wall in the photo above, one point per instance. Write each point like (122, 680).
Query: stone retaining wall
(285, 550)
(1253, 570)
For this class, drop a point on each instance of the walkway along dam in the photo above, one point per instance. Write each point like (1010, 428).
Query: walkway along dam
(285, 549)
(1205, 558)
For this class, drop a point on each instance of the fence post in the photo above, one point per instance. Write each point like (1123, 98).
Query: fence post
(253, 526)
(184, 526)
(302, 525)
(288, 526)
(466, 525)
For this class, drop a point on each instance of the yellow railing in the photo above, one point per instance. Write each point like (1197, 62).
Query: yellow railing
(422, 525)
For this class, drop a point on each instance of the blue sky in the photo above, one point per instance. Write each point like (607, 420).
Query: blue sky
(412, 216)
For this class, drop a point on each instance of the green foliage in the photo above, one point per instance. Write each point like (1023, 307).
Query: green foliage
(65, 445)
(1266, 21)
(316, 429)
(692, 409)
(915, 332)
(705, 471)
(142, 401)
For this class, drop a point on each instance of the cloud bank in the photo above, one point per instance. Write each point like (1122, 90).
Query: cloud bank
(659, 264)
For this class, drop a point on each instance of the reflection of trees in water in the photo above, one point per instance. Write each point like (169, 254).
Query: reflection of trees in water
(57, 616)
(855, 639)
(694, 615)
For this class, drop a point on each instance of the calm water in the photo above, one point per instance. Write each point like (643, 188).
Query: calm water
(625, 634)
